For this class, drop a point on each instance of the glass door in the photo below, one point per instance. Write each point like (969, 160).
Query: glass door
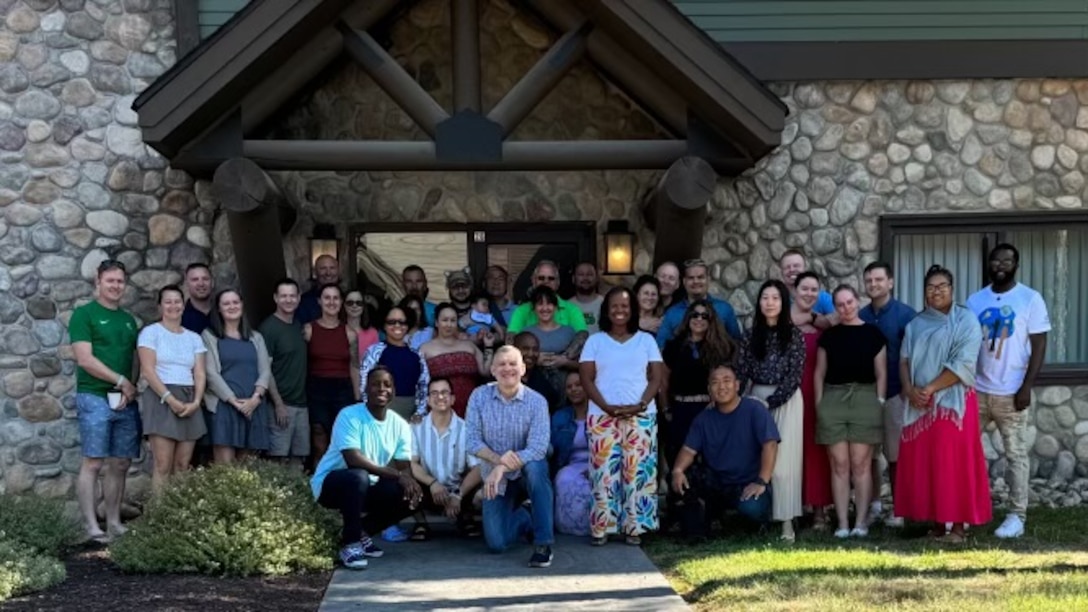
(519, 250)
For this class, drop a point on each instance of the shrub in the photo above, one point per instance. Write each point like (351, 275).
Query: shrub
(23, 570)
(37, 523)
(236, 520)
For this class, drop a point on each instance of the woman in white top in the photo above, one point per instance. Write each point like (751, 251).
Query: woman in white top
(621, 372)
(172, 363)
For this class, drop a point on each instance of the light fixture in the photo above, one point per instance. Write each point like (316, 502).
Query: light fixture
(619, 244)
(323, 242)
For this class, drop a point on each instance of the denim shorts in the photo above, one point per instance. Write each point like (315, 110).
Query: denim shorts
(105, 432)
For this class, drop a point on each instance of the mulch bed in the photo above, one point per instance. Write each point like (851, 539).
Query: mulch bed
(95, 584)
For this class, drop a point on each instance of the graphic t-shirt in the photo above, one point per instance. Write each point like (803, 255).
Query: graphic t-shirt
(1007, 319)
(591, 311)
(112, 334)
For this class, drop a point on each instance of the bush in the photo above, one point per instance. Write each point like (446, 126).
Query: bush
(232, 520)
(23, 570)
(37, 523)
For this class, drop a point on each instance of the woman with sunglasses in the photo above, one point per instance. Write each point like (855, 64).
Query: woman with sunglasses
(333, 362)
(410, 373)
(358, 320)
(422, 330)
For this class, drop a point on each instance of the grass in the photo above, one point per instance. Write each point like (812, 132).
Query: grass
(898, 570)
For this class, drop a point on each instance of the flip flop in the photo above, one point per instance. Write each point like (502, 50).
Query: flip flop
(420, 533)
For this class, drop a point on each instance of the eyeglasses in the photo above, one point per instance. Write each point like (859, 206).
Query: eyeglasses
(938, 288)
(440, 393)
(111, 264)
(547, 278)
(701, 315)
(353, 302)
(396, 322)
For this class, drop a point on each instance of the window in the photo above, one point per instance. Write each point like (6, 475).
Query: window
(1053, 261)
(383, 250)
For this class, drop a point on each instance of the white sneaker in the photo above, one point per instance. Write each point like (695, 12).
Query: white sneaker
(842, 533)
(1012, 527)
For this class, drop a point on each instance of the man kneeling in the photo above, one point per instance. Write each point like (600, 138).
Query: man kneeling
(739, 442)
(509, 430)
(367, 469)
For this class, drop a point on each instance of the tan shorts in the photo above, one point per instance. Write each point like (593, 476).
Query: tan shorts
(292, 440)
(893, 427)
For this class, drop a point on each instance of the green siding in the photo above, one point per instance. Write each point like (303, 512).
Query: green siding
(214, 13)
(875, 20)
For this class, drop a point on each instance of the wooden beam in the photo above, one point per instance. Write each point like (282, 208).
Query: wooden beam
(541, 78)
(393, 79)
(420, 155)
(186, 25)
(251, 200)
(646, 88)
(678, 209)
(310, 59)
(465, 26)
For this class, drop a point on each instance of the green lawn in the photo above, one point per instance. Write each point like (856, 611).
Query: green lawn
(1047, 569)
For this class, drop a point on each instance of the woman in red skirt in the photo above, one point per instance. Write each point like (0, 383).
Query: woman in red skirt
(941, 477)
(816, 486)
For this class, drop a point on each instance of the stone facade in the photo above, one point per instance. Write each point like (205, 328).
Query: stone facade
(78, 185)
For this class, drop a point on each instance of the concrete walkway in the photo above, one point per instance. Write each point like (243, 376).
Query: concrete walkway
(451, 573)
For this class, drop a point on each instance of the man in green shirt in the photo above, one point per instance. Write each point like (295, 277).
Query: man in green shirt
(103, 339)
(282, 331)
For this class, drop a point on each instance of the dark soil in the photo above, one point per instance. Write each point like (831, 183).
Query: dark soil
(95, 584)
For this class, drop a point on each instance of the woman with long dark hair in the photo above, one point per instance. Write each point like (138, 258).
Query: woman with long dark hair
(332, 356)
(456, 359)
(941, 476)
(358, 320)
(621, 373)
(422, 330)
(772, 360)
(239, 372)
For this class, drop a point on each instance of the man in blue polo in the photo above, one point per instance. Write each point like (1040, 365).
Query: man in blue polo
(696, 286)
(891, 317)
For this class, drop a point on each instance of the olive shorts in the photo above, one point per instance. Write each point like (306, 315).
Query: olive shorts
(849, 413)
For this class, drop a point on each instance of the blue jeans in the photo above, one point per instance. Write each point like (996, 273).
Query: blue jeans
(104, 432)
(707, 495)
(506, 520)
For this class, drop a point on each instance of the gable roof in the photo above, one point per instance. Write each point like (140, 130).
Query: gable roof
(269, 51)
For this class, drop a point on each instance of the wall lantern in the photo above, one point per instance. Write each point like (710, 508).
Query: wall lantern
(619, 245)
(323, 242)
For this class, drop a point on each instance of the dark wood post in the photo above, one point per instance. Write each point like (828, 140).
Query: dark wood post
(677, 209)
(252, 200)
(465, 18)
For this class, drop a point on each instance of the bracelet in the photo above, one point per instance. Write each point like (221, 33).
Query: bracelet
(165, 396)
(433, 481)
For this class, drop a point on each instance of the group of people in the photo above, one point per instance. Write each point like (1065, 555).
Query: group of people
(580, 406)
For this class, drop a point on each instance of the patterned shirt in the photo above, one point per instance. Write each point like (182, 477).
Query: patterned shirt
(520, 424)
(778, 368)
(444, 455)
(371, 358)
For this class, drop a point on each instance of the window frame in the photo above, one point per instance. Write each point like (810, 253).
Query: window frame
(993, 229)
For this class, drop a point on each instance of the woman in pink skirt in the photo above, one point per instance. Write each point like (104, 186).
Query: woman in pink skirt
(941, 477)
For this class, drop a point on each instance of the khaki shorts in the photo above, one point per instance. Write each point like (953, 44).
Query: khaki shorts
(893, 427)
(292, 440)
(849, 413)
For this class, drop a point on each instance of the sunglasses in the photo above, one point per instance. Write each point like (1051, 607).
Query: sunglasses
(701, 315)
(111, 264)
(353, 302)
(396, 322)
(546, 278)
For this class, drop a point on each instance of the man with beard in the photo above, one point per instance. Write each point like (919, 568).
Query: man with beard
(586, 296)
(198, 284)
(696, 288)
(459, 286)
(413, 280)
(1014, 323)
(326, 272)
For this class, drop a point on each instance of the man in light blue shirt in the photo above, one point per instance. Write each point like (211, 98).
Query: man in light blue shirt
(368, 468)
(696, 287)
(509, 431)
(790, 265)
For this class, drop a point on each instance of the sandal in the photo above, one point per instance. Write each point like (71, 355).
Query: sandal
(952, 538)
(633, 540)
(420, 533)
(599, 541)
(470, 529)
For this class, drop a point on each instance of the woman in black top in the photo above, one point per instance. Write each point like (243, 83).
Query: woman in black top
(850, 381)
(701, 343)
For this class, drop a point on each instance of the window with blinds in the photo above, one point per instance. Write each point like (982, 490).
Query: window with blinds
(1053, 261)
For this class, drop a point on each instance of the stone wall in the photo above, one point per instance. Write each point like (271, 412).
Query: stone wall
(77, 185)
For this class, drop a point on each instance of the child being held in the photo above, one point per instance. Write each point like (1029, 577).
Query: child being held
(479, 318)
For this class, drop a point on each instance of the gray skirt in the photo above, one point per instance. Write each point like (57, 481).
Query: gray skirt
(159, 420)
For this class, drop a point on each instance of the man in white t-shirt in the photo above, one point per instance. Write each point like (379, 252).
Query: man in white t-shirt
(1014, 326)
(587, 297)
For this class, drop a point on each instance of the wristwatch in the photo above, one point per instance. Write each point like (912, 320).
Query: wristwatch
(760, 481)
(814, 315)
(881, 400)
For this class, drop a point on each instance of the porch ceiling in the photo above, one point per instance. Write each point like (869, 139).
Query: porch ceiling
(205, 107)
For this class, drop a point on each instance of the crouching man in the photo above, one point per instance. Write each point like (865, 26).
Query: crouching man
(509, 430)
(738, 440)
(367, 469)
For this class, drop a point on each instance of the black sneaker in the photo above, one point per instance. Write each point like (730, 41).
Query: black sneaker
(542, 557)
(369, 548)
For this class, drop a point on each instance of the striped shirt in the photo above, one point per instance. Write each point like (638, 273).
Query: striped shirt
(443, 455)
(520, 424)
